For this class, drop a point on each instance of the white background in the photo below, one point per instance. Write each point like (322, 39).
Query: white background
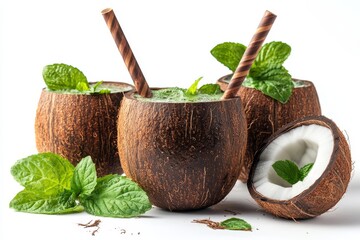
(171, 41)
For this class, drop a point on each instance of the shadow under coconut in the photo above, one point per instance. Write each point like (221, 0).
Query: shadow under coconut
(224, 208)
(236, 203)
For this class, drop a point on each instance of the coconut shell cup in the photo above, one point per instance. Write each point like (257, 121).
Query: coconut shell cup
(327, 187)
(186, 156)
(79, 125)
(266, 115)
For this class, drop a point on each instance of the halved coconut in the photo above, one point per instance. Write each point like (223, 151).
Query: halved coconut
(314, 140)
(266, 115)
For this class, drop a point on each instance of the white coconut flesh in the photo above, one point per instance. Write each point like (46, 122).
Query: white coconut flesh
(302, 145)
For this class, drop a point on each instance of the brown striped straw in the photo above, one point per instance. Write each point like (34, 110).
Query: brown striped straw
(249, 56)
(123, 46)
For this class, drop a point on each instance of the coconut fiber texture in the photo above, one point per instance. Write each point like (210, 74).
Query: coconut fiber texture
(185, 156)
(266, 115)
(79, 125)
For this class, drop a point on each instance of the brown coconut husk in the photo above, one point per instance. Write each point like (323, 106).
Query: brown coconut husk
(79, 125)
(266, 115)
(185, 156)
(325, 192)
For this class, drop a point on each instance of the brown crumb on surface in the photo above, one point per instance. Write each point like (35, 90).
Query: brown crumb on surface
(93, 232)
(96, 224)
(231, 211)
(209, 223)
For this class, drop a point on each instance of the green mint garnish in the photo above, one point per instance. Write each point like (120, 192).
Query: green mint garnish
(210, 89)
(116, 196)
(304, 171)
(33, 201)
(54, 186)
(192, 90)
(43, 171)
(103, 91)
(207, 92)
(267, 74)
(63, 77)
(229, 54)
(290, 172)
(236, 224)
(84, 179)
(96, 88)
(272, 55)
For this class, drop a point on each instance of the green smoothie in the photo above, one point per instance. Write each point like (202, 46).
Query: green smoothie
(178, 95)
(94, 88)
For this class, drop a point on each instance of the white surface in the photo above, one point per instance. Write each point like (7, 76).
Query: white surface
(171, 41)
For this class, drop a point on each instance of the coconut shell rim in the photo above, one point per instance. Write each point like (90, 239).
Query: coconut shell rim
(44, 89)
(286, 128)
(222, 80)
(129, 96)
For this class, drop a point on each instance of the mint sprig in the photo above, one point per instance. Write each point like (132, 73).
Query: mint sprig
(209, 89)
(192, 94)
(192, 90)
(54, 186)
(63, 77)
(267, 74)
(290, 172)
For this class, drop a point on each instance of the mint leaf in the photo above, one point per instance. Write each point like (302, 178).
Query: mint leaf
(287, 170)
(116, 196)
(236, 224)
(84, 178)
(64, 77)
(272, 55)
(45, 172)
(273, 82)
(97, 89)
(94, 88)
(82, 87)
(304, 171)
(290, 172)
(192, 90)
(104, 91)
(210, 89)
(41, 202)
(54, 186)
(229, 54)
(267, 73)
